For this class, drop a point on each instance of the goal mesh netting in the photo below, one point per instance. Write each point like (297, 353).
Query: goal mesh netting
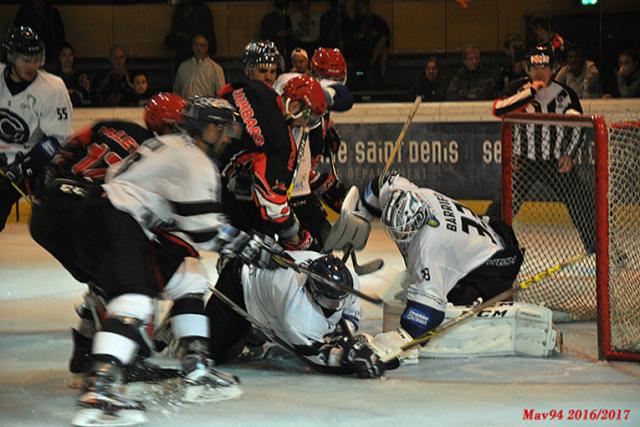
(593, 207)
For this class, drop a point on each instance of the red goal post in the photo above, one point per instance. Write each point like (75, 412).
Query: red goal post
(595, 208)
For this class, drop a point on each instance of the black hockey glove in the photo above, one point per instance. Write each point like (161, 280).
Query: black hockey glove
(332, 141)
(252, 249)
(363, 359)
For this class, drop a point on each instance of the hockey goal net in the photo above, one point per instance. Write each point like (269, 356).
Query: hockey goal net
(592, 208)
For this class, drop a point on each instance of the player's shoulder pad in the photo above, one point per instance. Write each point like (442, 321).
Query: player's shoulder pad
(51, 82)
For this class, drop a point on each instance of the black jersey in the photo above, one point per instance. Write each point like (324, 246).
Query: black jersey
(265, 153)
(92, 150)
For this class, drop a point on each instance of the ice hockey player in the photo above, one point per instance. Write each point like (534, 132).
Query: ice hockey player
(320, 139)
(551, 160)
(450, 254)
(261, 61)
(168, 191)
(311, 317)
(35, 112)
(60, 215)
(258, 168)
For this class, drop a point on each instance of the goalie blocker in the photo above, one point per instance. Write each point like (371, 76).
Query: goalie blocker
(508, 329)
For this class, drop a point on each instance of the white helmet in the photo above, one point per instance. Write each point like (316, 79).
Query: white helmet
(403, 215)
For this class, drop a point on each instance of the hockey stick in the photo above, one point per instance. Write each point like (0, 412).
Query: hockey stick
(285, 261)
(366, 268)
(15, 187)
(401, 135)
(423, 339)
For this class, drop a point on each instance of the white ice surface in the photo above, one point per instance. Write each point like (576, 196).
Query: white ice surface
(36, 312)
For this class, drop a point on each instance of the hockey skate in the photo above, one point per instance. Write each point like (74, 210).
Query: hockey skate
(102, 403)
(201, 382)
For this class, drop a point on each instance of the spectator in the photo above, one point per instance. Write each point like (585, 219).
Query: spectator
(579, 74)
(300, 61)
(513, 70)
(335, 25)
(190, 17)
(306, 26)
(46, 21)
(141, 93)
(369, 47)
(77, 82)
(115, 88)
(544, 35)
(199, 75)
(276, 26)
(472, 82)
(430, 84)
(628, 75)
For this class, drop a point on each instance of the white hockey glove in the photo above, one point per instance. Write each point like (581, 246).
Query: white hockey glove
(252, 249)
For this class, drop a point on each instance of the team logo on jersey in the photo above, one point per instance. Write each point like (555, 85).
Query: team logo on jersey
(13, 129)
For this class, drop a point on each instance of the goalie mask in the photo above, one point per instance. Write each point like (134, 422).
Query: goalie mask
(333, 269)
(404, 215)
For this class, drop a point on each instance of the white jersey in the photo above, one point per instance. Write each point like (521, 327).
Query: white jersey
(169, 182)
(42, 109)
(277, 299)
(439, 256)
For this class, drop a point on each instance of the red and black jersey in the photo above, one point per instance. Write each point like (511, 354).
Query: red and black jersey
(266, 151)
(92, 150)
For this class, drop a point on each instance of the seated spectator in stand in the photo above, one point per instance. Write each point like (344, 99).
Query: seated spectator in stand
(628, 75)
(335, 25)
(190, 17)
(543, 34)
(369, 47)
(199, 75)
(430, 84)
(115, 88)
(276, 26)
(306, 26)
(580, 74)
(78, 83)
(141, 91)
(471, 82)
(513, 71)
(300, 61)
(46, 21)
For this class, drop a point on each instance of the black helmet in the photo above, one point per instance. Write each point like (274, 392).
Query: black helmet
(202, 110)
(541, 55)
(21, 41)
(261, 52)
(334, 270)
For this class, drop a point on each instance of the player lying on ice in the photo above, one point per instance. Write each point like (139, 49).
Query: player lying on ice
(451, 256)
(167, 192)
(314, 320)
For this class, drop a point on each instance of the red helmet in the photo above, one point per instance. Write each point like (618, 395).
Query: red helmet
(163, 112)
(328, 63)
(308, 91)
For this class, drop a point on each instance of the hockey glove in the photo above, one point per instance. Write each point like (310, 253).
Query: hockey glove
(330, 190)
(332, 141)
(255, 250)
(304, 242)
(16, 170)
(364, 360)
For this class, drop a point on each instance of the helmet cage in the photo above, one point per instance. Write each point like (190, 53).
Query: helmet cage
(404, 215)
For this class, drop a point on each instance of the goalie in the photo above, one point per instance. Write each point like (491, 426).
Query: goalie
(451, 255)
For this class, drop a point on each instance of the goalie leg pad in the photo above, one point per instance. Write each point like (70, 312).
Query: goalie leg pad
(510, 329)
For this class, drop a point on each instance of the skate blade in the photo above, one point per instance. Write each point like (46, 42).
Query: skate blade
(88, 417)
(207, 393)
